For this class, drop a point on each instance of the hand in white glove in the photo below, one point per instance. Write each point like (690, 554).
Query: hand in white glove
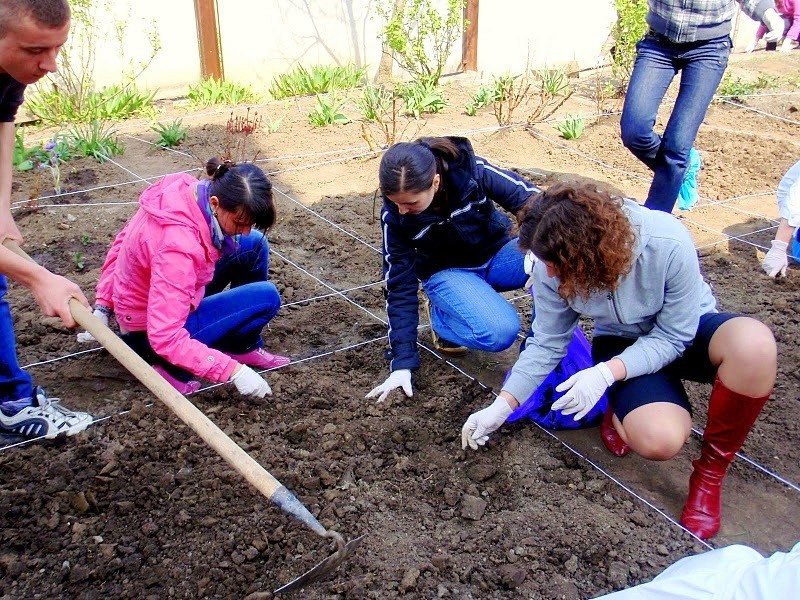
(398, 379)
(530, 262)
(100, 312)
(585, 389)
(751, 46)
(787, 45)
(775, 262)
(479, 425)
(250, 383)
(774, 23)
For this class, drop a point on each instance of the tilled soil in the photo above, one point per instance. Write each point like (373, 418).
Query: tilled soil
(139, 507)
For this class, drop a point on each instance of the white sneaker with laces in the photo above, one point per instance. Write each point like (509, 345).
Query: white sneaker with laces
(46, 417)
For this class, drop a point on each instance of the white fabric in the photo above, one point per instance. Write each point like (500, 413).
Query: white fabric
(788, 194)
(731, 573)
(398, 379)
(776, 261)
(85, 337)
(479, 425)
(250, 383)
(774, 23)
(585, 387)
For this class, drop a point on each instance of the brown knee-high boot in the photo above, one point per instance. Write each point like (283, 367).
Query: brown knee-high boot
(730, 417)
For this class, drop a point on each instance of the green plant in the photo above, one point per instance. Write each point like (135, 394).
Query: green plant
(482, 98)
(274, 125)
(551, 89)
(328, 112)
(421, 97)
(380, 106)
(78, 260)
(85, 240)
(210, 91)
(170, 135)
(571, 127)
(320, 79)
(627, 31)
(375, 101)
(25, 159)
(419, 36)
(508, 92)
(57, 151)
(69, 96)
(731, 88)
(94, 139)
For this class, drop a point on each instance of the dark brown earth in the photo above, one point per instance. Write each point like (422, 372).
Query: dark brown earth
(139, 507)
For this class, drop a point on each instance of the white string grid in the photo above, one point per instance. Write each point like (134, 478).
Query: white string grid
(343, 294)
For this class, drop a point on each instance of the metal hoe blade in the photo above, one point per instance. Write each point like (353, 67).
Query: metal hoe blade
(326, 566)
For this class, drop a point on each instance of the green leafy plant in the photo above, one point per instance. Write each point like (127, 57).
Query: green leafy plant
(69, 95)
(328, 112)
(85, 240)
(319, 79)
(421, 97)
(571, 127)
(482, 98)
(375, 101)
(380, 106)
(211, 91)
(420, 36)
(96, 140)
(734, 88)
(550, 90)
(78, 259)
(170, 134)
(56, 151)
(274, 125)
(627, 31)
(508, 92)
(25, 159)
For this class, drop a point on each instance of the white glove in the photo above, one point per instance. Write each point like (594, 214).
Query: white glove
(585, 389)
(787, 45)
(775, 262)
(398, 379)
(751, 46)
(479, 425)
(774, 23)
(530, 261)
(85, 337)
(250, 383)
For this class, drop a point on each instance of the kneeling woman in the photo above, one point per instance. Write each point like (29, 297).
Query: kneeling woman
(635, 273)
(166, 271)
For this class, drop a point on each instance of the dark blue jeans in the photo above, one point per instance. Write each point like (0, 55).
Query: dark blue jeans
(658, 61)
(227, 320)
(14, 382)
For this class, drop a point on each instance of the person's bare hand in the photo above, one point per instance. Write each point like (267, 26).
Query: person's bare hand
(9, 229)
(53, 293)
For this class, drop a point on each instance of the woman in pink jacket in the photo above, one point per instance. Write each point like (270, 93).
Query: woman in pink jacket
(790, 11)
(165, 274)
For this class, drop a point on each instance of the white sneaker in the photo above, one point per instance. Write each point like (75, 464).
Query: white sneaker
(45, 418)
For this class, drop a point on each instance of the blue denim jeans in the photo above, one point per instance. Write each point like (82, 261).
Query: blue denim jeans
(14, 382)
(466, 306)
(658, 61)
(228, 320)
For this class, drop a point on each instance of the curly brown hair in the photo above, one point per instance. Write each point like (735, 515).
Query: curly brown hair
(584, 233)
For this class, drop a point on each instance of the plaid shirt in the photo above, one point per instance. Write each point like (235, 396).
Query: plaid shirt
(684, 21)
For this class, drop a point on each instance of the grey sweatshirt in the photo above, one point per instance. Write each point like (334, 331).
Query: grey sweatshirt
(658, 303)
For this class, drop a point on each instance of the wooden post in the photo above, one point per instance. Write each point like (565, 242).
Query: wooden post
(469, 43)
(208, 39)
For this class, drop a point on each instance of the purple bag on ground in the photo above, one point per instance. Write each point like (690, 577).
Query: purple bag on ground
(537, 407)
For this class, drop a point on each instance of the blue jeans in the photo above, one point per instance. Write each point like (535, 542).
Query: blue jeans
(466, 307)
(14, 382)
(658, 60)
(227, 320)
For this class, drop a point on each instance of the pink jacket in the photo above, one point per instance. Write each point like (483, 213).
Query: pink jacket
(790, 11)
(156, 271)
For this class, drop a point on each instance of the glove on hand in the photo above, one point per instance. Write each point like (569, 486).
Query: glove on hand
(585, 389)
(751, 46)
(479, 425)
(775, 262)
(787, 45)
(530, 262)
(250, 383)
(774, 23)
(100, 312)
(400, 378)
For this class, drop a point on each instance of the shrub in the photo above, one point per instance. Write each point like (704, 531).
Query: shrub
(627, 31)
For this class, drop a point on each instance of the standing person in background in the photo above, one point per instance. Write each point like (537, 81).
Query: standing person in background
(31, 35)
(691, 37)
(787, 237)
(635, 272)
(790, 11)
(441, 228)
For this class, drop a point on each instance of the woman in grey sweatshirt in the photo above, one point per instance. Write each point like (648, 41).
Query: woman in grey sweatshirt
(635, 272)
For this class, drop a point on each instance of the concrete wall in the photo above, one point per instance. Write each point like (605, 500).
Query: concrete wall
(263, 38)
